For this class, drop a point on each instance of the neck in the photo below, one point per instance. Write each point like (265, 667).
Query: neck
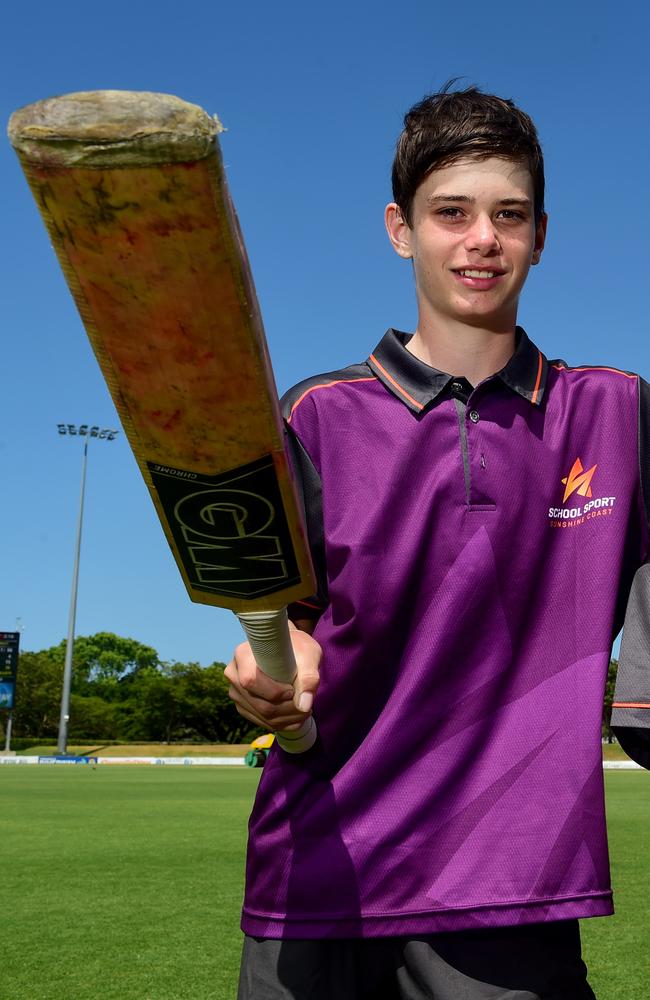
(457, 349)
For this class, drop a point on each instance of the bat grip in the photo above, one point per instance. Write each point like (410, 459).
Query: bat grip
(268, 635)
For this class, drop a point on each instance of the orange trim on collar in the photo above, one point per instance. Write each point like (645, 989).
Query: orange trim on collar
(392, 381)
(540, 368)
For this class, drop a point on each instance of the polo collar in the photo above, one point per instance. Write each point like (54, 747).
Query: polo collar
(418, 384)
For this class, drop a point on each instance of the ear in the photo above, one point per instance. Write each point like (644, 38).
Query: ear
(540, 239)
(399, 232)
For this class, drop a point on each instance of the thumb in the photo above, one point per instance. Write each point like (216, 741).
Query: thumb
(308, 655)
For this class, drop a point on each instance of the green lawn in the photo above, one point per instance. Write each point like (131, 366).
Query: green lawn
(615, 948)
(125, 884)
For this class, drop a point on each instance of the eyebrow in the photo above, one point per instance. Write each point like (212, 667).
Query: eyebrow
(433, 199)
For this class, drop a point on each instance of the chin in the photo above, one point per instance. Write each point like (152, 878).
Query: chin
(495, 319)
(473, 312)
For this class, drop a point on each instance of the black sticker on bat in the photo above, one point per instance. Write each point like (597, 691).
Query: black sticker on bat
(230, 530)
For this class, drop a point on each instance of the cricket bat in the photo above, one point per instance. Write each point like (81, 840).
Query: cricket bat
(133, 193)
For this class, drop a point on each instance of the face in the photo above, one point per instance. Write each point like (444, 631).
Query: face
(473, 241)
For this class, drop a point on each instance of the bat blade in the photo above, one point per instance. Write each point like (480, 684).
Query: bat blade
(132, 189)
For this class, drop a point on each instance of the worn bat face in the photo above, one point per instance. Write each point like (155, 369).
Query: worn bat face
(231, 530)
(132, 189)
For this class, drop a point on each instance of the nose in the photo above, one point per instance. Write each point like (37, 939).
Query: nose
(482, 235)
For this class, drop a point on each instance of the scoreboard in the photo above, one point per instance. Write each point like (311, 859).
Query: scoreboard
(8, 667)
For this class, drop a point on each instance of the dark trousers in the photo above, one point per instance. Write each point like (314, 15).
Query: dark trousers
(531, 962)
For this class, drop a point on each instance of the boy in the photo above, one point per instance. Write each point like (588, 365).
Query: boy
(477, 515)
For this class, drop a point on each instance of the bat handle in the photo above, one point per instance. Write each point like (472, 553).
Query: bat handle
(268, 635)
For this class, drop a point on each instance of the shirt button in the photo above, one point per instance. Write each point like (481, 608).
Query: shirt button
(457, 386)
(473, 416)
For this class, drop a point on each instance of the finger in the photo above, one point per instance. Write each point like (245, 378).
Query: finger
(267, 714)
(252, 679)
(280, 724)
(252, 718)
(249, 694)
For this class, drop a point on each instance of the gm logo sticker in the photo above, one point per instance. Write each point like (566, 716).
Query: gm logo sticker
(230, 530)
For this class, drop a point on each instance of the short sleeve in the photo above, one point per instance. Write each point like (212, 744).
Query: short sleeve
(631, 704)
(308, 484)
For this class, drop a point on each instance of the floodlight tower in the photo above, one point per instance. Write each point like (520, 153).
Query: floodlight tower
(86, 432)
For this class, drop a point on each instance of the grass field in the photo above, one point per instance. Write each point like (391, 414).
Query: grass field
(125, 884)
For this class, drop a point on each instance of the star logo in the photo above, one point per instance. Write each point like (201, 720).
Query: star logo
(578, 480)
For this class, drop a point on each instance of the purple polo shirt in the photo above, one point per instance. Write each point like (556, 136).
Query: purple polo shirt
(475, 549)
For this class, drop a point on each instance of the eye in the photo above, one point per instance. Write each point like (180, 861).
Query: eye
(510, 214)
(449, 213)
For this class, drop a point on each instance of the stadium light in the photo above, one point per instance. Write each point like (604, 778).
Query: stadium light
(87, 432)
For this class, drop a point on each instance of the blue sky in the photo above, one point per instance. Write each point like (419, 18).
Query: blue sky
(312, 98)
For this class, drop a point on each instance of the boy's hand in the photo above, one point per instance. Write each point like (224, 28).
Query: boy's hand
(264, 701)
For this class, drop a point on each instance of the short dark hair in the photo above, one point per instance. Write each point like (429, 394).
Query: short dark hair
(449, 125)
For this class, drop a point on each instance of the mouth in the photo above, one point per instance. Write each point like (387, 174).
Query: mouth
(473, 273)
(482, 278)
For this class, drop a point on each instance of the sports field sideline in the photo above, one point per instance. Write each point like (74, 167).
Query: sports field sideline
(125, 884)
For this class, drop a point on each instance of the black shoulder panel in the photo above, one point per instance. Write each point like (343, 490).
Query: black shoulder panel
(349, 374)
(310, 492)
(309, 484)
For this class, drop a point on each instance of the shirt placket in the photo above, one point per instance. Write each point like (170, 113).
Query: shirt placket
(472, 451)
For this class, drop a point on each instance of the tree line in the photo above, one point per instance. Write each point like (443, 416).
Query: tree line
(121, 690)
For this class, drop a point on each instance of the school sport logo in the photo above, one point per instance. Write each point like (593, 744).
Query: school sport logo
(578, 482)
